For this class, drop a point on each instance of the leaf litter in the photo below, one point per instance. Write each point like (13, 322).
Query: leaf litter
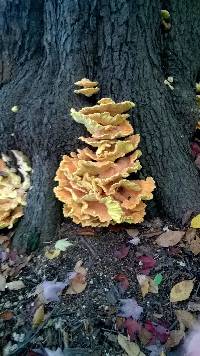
(107, 298)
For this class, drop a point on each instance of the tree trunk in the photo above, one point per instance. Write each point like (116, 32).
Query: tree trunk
(47, 45)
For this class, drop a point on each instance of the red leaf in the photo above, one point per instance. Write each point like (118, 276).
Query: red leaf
(148, 262)
(122, 279)
(195, 147)
(162, 334)
(133, 328)
(159, 332)
(122, 252)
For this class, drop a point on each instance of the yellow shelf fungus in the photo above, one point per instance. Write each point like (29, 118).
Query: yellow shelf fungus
(92, 183)
(13, 188)
(89, 88)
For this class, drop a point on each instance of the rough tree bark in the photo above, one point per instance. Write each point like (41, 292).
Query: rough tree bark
(46, 45)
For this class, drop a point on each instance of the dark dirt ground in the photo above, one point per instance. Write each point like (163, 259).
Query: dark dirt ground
(86, 322)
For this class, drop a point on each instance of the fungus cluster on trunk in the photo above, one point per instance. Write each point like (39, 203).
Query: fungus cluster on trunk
(93, 182)
(14, 183)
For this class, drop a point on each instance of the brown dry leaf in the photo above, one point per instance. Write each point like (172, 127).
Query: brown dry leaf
(131, 348)
(186, 318)
(193, 241)
(51, 254)
(2, 283)
(147, 284)
(38, 317)
(6, 315)
(78, 283)
(15, 285)
(4, 238)
(170, 238)
(181, 291)
(175, 338)
(132, 232)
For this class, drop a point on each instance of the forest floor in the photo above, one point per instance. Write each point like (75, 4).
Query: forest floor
(90, 322)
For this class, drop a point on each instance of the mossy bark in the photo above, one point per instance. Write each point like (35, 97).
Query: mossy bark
(47, 45)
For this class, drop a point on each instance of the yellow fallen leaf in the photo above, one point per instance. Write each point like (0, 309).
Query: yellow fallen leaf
(195, 223)
(170, 238)
(131, 348)
(51, 254)
(147, 284)
(38, 317)
(181, 291)
(186, 318)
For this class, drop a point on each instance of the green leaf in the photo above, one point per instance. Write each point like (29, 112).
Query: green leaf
(158, 279)
(63, 244)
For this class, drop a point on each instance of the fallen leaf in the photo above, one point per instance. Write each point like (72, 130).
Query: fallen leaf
(2, 283)
(133, 328)
(131, 348)
(6, 315)
(147, 285)
(51, 254)
(191, 344)
(77, 283)
(123, 280)
(158, 332)
(195, 149)
(38, 317)
(122, 252)
(3, 238)
(170, 238)
(132, 232)
(15, 285)
(146, 263)
(195, 223)
(158, 279)
(130, 308)
(193, 241)
(181, 291)
(63, 244)
(51, 289)
(175, 338)
(186, 318)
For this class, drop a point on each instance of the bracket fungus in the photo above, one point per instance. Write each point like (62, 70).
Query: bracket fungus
(92, 182)
(89, 88)
(14, 183)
